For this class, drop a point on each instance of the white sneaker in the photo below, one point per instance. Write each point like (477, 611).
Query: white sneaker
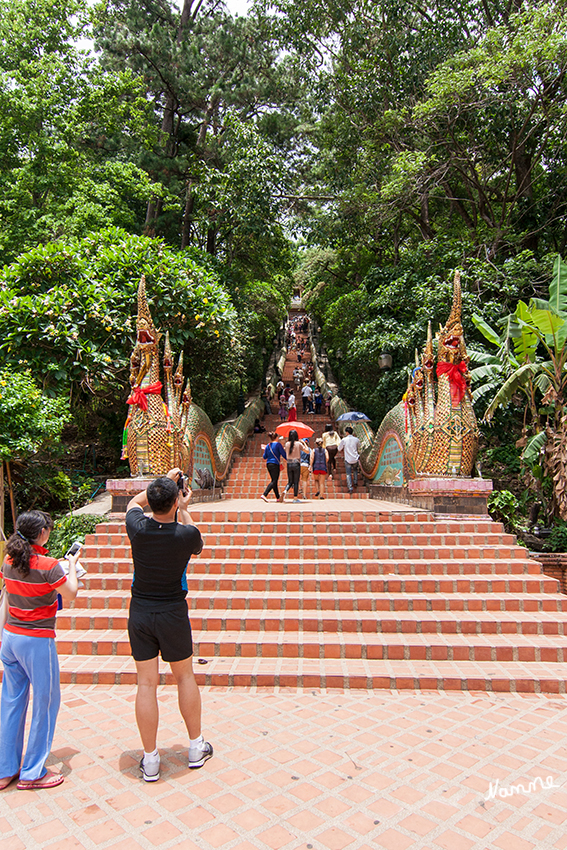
(150, 771)
(199, 755)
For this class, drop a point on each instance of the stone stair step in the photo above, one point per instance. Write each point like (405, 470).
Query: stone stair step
(366, 622)
(107, 562)
(328, 567)
(311, 597)
(99, 598)
(377, 645)
(297, 520)
(517, 677)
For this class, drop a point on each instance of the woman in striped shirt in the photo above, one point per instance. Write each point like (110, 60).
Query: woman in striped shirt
(32, 580)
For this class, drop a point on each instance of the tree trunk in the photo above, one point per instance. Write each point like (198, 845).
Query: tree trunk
(2, 497)
(153, 208)
(188, 216)
(211, 240)
(11, 492)
(190, 196)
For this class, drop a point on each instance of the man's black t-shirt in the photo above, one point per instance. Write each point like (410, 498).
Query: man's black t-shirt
(161, 552)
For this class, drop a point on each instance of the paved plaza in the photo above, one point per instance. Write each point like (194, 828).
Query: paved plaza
(293, 769)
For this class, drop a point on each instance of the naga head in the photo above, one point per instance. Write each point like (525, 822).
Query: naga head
(135, 362)
(417, 375)
(167, 356)
(178, 378)
(410, 396)
(451, 341)
(427, 356)
(147, 334)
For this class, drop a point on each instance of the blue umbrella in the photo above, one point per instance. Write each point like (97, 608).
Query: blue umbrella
(353, 416)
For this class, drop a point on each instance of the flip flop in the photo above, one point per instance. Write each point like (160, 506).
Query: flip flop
(48, 780)
(7, 780)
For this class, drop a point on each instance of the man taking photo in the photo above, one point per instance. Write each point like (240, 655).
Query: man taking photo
(158, 622)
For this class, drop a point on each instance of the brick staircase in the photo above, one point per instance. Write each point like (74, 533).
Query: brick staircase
(248, 476)
(335, 593)
(349, 597)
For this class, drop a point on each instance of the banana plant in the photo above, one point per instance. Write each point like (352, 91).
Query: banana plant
(532, 358)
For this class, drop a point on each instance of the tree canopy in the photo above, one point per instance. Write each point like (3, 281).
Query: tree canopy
(362, 149)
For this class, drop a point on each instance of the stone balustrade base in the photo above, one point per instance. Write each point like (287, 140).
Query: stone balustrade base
(124, 489)
(441, 496)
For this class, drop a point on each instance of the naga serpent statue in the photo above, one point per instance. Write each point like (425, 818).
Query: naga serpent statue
(442, 435)
(172, 431)
(433, 430)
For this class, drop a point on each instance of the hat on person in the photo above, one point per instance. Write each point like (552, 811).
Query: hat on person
(319, 440)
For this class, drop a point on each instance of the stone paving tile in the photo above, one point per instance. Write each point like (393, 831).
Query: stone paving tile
(305, 770)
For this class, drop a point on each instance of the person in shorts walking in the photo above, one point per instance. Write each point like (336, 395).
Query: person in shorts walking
(162, 544)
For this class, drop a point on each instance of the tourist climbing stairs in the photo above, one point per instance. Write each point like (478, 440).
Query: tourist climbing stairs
(248, 477)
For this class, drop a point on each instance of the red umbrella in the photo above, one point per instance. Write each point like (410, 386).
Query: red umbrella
(302, 429)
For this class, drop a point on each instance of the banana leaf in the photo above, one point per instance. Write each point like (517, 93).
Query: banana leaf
(488, 333)
(482, 357)
(481, 391)
(525, 340)
(542, 382)
(558, 285)
(531, 453)
(489, 370)
(520, 377)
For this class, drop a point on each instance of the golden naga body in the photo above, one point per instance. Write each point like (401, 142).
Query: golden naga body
(153, 435)
(433, 431)
(442, 433)
(169, 430)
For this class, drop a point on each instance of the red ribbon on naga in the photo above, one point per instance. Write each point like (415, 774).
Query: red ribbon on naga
(139, 394)
(457, 381)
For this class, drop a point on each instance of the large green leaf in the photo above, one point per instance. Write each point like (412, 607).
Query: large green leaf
(482, 357)
(549, 323)
(489, 370)
(481, 391)
(488, 333)
(544, 317)
(558, 285)
(525, 339)
(543, 381)
(517, 380)
(533, 448)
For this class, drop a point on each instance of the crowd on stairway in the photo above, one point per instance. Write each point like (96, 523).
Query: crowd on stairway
(310, 460)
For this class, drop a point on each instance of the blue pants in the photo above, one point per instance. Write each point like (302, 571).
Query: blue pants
(28, 661)
(351, 470)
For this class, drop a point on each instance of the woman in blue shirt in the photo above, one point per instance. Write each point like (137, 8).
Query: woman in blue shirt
(274, 453)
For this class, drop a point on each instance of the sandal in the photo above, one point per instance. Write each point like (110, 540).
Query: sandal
(7, 780)
(48, 780)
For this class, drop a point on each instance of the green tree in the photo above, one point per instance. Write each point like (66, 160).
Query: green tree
(538, 368)
(28, 421)
(211, 79)
(65, 130)
(68, 311)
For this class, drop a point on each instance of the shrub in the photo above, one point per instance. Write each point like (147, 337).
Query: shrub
(69, 528)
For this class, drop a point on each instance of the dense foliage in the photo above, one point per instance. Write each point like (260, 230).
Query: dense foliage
(68, 313)
(370, 147)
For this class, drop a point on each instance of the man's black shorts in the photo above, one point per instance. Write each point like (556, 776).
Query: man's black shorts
(154, 632)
